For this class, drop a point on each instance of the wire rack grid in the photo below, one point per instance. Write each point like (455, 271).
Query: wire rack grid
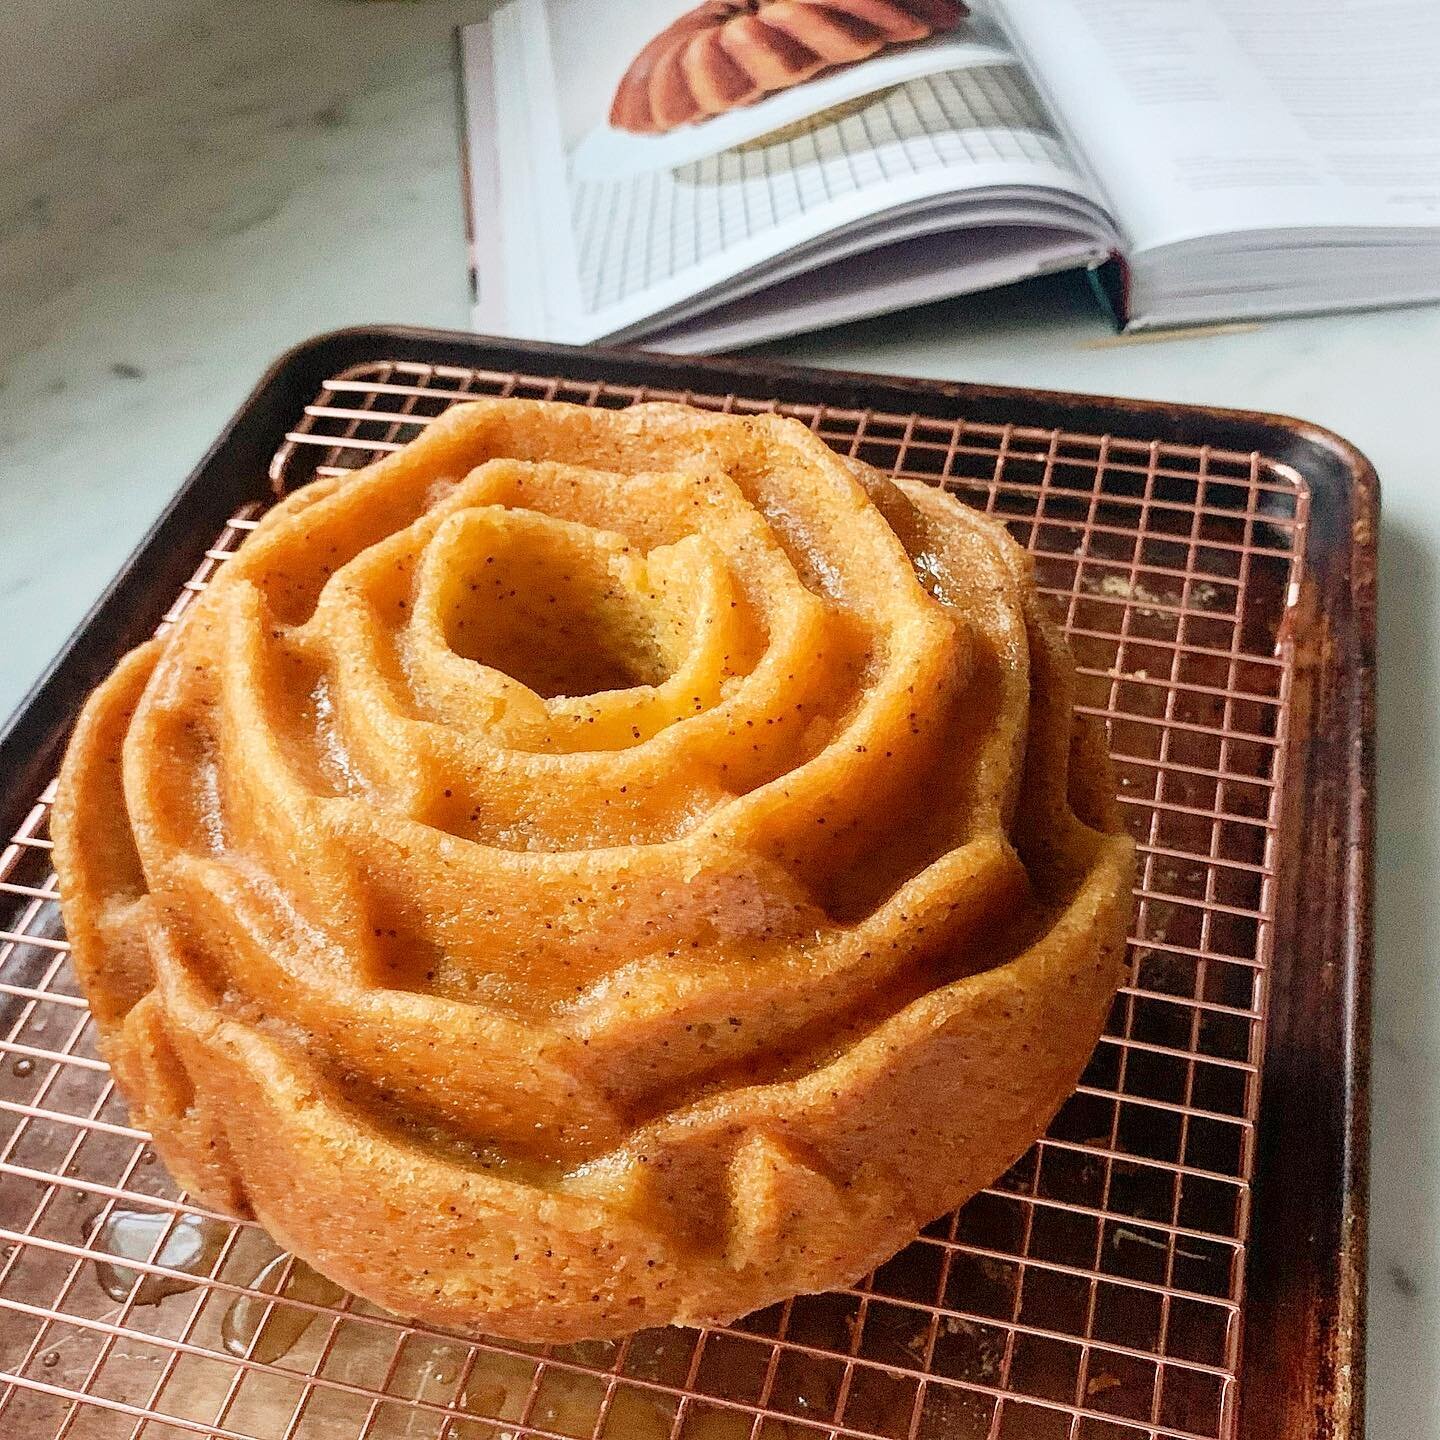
(1095, 1292)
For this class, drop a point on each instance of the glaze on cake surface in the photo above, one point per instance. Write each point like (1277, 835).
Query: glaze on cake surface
(594, 869)
(728, 53)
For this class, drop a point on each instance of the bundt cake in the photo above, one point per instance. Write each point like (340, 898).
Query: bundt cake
(594, 869)
(728, 53)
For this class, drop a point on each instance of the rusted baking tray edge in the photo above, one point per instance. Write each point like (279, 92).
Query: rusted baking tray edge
(1303, 1363)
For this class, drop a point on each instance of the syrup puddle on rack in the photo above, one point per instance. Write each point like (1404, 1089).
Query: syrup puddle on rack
(266, 1331)
(191, 1244)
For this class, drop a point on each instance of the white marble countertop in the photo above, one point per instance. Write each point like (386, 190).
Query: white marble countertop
(221, 180)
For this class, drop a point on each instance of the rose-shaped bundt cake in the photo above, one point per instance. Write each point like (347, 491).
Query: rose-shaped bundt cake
(597, 868)
(728, 53)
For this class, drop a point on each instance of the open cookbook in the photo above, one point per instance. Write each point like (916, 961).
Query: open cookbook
(708, 176)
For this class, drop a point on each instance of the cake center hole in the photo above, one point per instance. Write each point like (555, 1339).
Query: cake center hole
(565, 617)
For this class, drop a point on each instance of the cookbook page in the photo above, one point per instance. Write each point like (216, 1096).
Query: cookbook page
(1208, 117)
(876, 283)
(616, 204)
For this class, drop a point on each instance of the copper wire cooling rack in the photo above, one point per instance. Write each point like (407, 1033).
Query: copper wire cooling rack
(1098, 1291)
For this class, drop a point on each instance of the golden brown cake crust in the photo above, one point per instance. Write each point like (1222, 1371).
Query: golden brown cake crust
(595, 869)
(728, 53)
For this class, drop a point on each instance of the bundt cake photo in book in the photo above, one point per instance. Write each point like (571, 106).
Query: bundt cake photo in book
(596, 869)
(724, 54)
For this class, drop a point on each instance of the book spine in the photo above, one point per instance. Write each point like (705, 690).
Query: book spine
(1110, 280)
